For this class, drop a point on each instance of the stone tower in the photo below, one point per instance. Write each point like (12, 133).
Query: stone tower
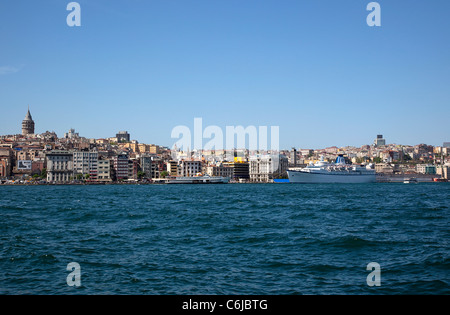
(28, 124)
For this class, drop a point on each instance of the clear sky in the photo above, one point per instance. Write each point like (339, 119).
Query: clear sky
(313, 68)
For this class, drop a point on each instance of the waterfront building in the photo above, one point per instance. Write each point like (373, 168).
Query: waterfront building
(426, 169)
(443, 170)
(28, 124)
(220, 170)
(172, 167)
(104, 170)
(85, 163)
(132, 169)
(150, 166)
(38, 164)
(264, 168)
(5, 162)
(120, 166)
(240, 169)
(189, 168)
(59, 166)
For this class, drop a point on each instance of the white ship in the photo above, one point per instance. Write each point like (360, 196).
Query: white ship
(338, 172)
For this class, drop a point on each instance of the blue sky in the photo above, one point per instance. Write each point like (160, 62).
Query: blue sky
(313, 68)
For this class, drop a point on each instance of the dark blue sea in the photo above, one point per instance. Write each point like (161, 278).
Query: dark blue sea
(279, 239)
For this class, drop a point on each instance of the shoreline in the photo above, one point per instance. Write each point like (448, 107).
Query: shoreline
(201, 184)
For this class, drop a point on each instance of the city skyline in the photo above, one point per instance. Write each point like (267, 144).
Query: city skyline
(315, 70)
(28, 118)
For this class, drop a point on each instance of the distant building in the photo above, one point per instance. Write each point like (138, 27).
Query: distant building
(59, 166)
(306, 152)
(123, 136)
(293, 157)
(154, 149)
(28, 124)
(379, 141)
(71, 134)
(446, 145)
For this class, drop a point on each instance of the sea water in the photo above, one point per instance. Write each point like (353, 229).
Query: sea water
(277, 239)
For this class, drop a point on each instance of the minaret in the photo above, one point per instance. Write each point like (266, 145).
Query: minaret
(28, 124)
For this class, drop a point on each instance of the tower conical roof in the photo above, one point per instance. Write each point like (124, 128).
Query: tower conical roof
(28, 116)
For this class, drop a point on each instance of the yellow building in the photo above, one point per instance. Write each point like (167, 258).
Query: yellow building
(143, 148)
(172, 168)
(154, 149)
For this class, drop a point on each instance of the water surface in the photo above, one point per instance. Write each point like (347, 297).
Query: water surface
(225, 239)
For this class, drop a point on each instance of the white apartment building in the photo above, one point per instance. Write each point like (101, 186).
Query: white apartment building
(189, 168)
(264, 168)
(85, 163)
(104, 170)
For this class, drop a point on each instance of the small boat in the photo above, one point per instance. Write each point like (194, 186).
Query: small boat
(206, 179)
(440, 180)
(410, 180)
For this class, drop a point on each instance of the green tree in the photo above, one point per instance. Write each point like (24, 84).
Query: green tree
(140, 174)
(377, 160)
(164, 174)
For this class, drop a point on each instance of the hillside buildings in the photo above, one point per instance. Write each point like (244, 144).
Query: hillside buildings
(46, 157)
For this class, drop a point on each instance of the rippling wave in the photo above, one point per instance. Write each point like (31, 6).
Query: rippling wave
(225, 239)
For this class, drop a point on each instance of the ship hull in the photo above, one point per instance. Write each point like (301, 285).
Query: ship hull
(313, 178)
